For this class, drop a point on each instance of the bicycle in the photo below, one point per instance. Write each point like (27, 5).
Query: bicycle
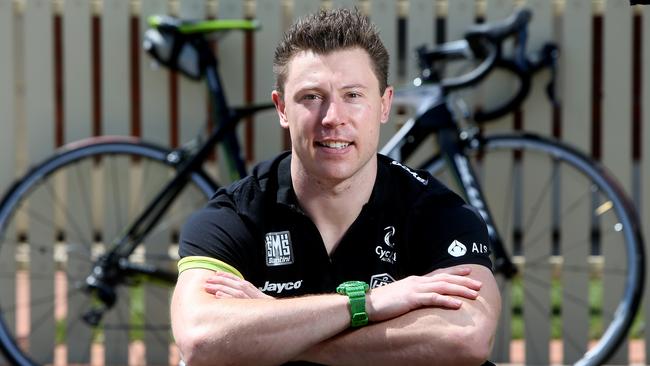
(71, 235)
(102, 274)
(610, 222)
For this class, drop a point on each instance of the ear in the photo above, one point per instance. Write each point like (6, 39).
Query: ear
(280, 108)
(386, 102)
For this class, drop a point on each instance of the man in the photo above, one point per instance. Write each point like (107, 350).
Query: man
(262, 263)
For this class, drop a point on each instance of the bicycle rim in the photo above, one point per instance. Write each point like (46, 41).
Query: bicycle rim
(54, 223)
(575, 237)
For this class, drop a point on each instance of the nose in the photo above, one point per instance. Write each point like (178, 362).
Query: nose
(333, 114)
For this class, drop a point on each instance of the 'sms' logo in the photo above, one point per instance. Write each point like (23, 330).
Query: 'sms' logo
(278, 249)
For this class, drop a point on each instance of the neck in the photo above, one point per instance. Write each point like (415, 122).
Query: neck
(333, 205)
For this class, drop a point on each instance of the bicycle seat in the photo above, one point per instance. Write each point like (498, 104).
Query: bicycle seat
(181, 44)
(202, 27)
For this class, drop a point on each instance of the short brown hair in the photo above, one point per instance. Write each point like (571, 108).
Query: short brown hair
(328, 31)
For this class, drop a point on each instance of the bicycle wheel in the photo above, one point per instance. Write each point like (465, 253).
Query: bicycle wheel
(55, 222)
(575, 238)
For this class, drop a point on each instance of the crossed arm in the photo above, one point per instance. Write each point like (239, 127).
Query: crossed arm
(446, 317)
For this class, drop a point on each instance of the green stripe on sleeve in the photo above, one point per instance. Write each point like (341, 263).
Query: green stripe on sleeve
(206, 263)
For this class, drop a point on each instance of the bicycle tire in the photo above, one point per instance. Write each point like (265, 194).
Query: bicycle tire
(611, 225)
(62, 239)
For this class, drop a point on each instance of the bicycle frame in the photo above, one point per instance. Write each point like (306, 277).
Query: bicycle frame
(438, 119)
(188, 159)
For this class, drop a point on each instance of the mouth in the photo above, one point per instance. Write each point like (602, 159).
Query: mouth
(337, 145)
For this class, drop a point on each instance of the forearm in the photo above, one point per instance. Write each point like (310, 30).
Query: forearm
(427, 336)
(252, 331)
(421, 337)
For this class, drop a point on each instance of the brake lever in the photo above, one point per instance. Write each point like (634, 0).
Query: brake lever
(551, 54)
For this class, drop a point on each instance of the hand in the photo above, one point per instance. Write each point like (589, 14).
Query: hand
(439, 288)
(224, 285)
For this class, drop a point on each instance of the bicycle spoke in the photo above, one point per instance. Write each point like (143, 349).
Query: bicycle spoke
(580, 269)
(43, 299)
(168, 221)
(85, 196)
(77, 322)
(509, 207)
(71, 227)
(547, 284)
(539, 201)
(538, 238)
(116, 197)
(58, 203)
(570, 247)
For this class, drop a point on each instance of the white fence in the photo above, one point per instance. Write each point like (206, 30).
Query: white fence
(71, 69)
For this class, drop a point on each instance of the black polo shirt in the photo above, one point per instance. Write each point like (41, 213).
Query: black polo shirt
(411, 225)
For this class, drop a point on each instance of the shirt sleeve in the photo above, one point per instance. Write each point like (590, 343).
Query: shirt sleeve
(216, 231)
(450, 233)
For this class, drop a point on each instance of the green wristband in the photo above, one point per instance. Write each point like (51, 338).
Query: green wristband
(356, 292)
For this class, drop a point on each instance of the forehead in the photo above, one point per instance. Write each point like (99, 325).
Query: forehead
(341, 67)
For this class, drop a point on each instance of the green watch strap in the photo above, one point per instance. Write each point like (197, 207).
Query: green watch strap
(356, 292)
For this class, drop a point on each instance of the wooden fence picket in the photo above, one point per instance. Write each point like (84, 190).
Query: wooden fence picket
(617, 135)
(537, 117)
(115, 119)
(154, 84)
(268, 137)
(8, 101)
(575, 86)
(8, 97)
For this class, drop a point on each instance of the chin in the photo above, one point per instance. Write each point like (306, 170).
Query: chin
(333, 175)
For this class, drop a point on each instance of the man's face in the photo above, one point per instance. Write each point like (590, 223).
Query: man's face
(333, 110)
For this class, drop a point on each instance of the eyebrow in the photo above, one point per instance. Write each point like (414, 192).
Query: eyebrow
(316, 86)
(355, 86)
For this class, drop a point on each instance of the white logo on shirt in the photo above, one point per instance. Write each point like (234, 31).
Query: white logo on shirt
(414, 174)
(278, 287)
(390, 231)
(480, 248)
(457, 249)
(380, 280)
(386, 252)
(278, 249)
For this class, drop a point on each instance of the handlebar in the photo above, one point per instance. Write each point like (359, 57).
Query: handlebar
(484, 42)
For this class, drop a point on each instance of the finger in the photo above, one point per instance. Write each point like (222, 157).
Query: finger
(460, 271)
(222, 295)
(459, 280)
(222, 276)
(449, 289)
(230, 281)
(438, 300)
(227, 275)
(232, 292)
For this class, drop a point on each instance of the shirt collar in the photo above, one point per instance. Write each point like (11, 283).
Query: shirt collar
(286, 195)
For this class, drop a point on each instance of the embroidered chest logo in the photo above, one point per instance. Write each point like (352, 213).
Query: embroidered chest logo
(386, 252)
(380, 280)
(278, 249)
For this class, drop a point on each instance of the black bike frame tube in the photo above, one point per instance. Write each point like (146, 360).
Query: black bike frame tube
(225, 119)
(452, 151)
(125, 245)
(221, 113)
